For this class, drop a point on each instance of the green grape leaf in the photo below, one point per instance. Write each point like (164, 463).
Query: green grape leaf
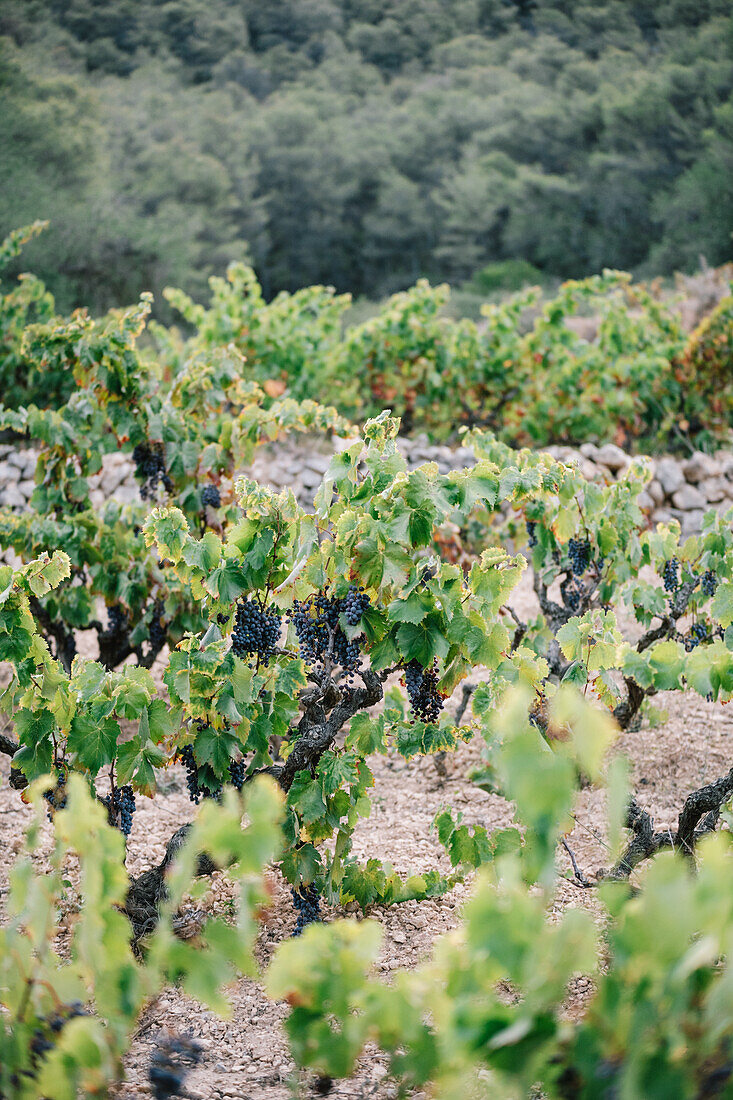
(94, 742)
(305, 796)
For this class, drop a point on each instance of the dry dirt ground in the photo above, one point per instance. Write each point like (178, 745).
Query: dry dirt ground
(247, 1056)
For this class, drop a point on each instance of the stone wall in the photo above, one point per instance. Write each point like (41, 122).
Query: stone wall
(681, 488)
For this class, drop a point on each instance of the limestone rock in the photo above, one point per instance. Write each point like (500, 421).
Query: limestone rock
(688, 498)
(11, 496)
(715, 489)
(612, 457)
(692, 522)
(669, 475)
(655, 491)
(698, 467)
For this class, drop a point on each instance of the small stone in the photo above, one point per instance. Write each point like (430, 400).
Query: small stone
(669, 475)
(727, 467)
(588, 469)
(12, 497)
(309, 478)
(612, 457)
(318, 463)
(127, 494)
(26, 487)
(589, 450)
(399, 937)
(692, 522)
(699, 466)
(655, 491)
(715, 489)
(687, 498)
(645, 501)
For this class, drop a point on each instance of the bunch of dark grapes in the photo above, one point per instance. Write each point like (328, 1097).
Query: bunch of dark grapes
(150, 468)
(170, 1064)
(307, 900)
(356, 602)
(709, 582)
(256, 631)
(422, 689)
(319, 632)
(531, 532)
(49, 1027)
(56, 796)
(579, 555)
(236, 773)
(670, 575)
(572, 593)
(192, 774)
(196, 788)
(118, 623)
(157, 633)
(210, 496)
(120, 808)
(697, 634)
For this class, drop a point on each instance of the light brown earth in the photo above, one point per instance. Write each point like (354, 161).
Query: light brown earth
(247, 1055)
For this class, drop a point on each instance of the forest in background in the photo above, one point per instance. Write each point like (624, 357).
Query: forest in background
(362, 143)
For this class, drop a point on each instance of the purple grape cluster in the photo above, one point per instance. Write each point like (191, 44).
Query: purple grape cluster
(256, 631)
(157, 632)
(236, 773)
(150, 468)
(118, 622)
(422, 689)
(48, 1028)
(307, 900)
(709, 582)
(210, 496)
(572, 592)
(531, 532)
(192, 774)
(196, 788)
(356, 602)
(319, 632)
(579, 555)
(697, 635)
(120, 808)
(56, 796)
(670, 575)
